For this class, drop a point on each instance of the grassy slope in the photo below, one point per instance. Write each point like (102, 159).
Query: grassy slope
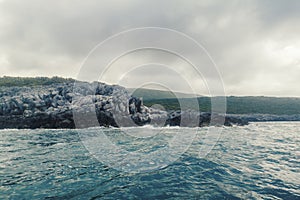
(238, 105)
(235, 105)
(158, 94)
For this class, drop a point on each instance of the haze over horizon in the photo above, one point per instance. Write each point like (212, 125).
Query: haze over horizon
(255, 44)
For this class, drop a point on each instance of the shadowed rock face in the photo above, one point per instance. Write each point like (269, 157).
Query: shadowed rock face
(83, 105)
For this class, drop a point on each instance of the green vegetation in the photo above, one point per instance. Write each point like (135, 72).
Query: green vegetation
(236, 105)
(29, 81)
(183, 103)
(158, 94)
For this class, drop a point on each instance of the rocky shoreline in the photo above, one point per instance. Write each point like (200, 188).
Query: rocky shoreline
(83, 105)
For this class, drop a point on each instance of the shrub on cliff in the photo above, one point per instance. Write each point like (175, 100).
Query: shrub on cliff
(8, 81)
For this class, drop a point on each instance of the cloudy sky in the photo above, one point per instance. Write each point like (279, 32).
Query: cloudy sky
(254, 44)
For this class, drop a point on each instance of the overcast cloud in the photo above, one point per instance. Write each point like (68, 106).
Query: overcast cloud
(255, 44)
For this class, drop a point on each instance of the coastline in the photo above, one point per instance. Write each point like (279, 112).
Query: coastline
(82, 105)
(59, 103)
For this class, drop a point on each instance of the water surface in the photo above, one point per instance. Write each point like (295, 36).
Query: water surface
(259, 161)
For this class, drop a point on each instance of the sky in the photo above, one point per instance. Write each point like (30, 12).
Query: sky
(248, 47)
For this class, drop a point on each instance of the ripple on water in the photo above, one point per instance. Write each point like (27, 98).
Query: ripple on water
(259, 161)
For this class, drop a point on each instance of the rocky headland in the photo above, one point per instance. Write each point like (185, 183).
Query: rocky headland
(82, 105)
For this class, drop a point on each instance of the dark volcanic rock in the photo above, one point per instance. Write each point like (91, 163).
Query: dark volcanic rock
(82, 105)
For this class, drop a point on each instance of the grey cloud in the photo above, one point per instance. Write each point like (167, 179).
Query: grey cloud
(53, 37)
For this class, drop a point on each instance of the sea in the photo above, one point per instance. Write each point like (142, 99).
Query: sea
(257, 161)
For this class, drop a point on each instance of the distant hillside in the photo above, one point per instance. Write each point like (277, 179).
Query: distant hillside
(237, 105)
(149, 94)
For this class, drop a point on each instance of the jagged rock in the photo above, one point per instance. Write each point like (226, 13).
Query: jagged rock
(174, 118)
(54, 106)
(158, 117)
(141, 119)
(27, 113)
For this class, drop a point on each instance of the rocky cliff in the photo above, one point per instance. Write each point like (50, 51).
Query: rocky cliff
(82, 105)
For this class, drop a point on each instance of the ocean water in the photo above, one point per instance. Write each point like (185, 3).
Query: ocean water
(259, 161)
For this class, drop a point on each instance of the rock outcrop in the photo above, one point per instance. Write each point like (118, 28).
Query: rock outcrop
(82, 105)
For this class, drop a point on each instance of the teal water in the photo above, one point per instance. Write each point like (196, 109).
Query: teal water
(259, 161)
